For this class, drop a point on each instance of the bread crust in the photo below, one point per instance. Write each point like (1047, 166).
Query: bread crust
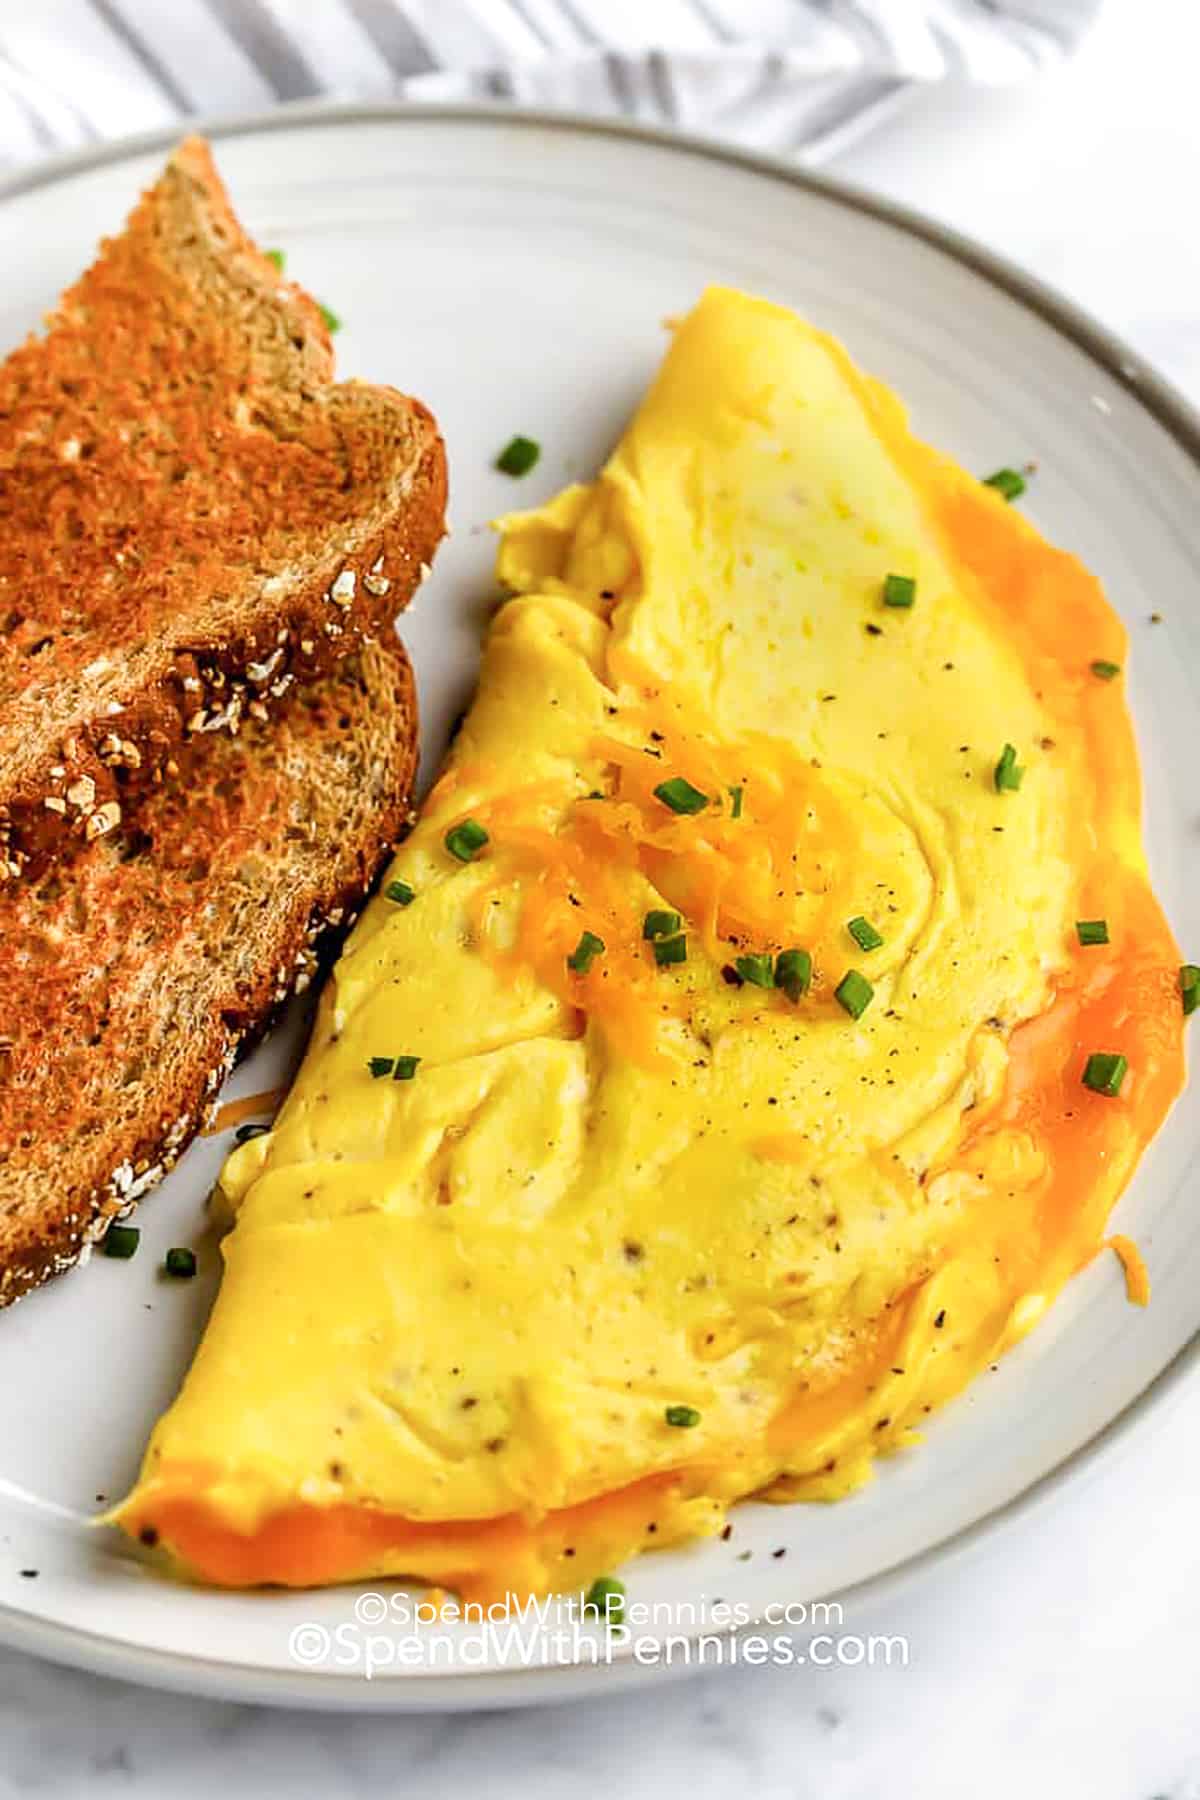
(47, 1224)
(297, 620)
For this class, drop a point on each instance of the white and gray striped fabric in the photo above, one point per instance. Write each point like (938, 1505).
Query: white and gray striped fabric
(790, 75)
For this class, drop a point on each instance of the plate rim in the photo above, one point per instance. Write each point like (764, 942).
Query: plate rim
(224, 1679)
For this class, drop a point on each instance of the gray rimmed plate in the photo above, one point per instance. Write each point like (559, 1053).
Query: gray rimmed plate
(514, 270)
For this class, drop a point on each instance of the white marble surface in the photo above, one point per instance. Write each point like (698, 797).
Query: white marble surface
(1061, 1658)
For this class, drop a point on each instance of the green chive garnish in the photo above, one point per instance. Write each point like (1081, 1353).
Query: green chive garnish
(605, 1600)
(400, 892)
(332, 322)
(518, 456)
(899, 590)
(1007, 482)
(1105, 671)
(1189, 987)
(864, 933)
(181, 1263)
(793, 973)
(683, 1416)
(680, 795)
(1092, 931)
(1008, 773)
(277, 257)
(670, 950)
(121, 1241)
(756, 969)
(466, 840)
(585, 952)
(1104, 1072)
(854, 992)
(735, 795)
(400, 1068)
(659, 923)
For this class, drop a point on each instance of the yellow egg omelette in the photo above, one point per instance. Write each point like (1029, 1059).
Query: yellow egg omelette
(748, 1042)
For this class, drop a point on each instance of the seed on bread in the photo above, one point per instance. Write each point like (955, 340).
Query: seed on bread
(259, 672)
(105, 818)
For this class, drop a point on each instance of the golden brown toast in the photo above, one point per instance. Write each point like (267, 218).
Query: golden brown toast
(194, 514)
(133, 968)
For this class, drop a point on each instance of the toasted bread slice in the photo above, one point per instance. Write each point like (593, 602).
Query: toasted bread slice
(194, 514)
(133, 969)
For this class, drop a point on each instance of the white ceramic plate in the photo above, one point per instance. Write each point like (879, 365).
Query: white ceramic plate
(514, 271)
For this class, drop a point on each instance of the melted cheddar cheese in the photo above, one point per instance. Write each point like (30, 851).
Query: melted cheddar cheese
(457, 1306)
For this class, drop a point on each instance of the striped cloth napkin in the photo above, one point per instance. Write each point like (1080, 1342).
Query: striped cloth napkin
(797, 76)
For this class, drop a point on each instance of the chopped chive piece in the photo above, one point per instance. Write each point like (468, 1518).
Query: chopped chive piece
(1105, 671)
(1092, 931)
(1189, 987)
(670, 950)
(793, 973)
(121, 1241)
(244, 1133)
(759, 970)
(585, 952)
(735, 795)
(1104, 1072)
(400, 1068)
(605, 1600)
(899, 590)
(466, 840)
(854, 992)
(277, 257)
(518, 456)
(1007, 482)
(683, 1416)
(680, 795)
(864, 933)
(181, 1263)
(400, 892)
(332, 322)
(659, 924)
(1008, 773)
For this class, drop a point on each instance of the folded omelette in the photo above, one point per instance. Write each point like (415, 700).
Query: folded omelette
(748, 1042)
